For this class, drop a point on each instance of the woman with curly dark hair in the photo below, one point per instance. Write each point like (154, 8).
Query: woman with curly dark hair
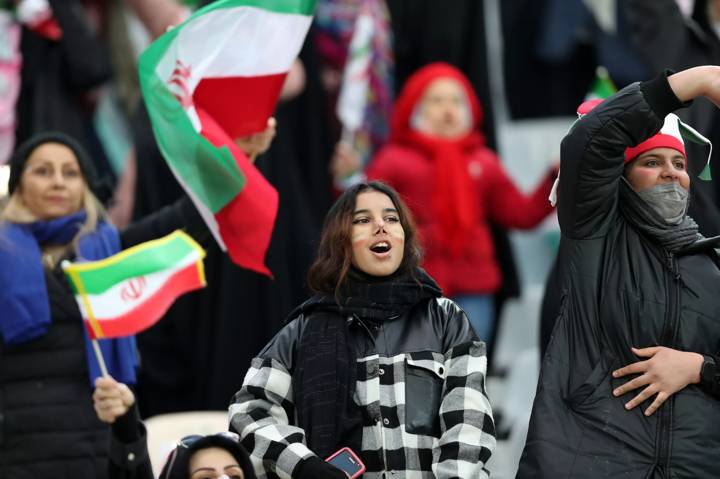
(377, 361)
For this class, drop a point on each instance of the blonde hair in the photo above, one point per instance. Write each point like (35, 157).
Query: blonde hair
(15, 211)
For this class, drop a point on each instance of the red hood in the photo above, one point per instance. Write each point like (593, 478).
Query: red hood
(413, 90)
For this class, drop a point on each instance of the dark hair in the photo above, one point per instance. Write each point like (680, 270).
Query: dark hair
(329, 271)
(25, 149)
(100, 187)
(176, 466)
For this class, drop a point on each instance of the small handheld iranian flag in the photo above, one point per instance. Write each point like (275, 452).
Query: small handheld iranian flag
(217, 77)
(130, 291)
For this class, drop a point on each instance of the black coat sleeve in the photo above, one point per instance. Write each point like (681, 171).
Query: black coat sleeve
(129, 457)
(458, 329)
(592, 154)
(180, 215)
(282, 347)
(711, 384)
(85, 57)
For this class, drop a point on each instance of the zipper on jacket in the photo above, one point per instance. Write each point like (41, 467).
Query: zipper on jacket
(671, 286)
(669, 338)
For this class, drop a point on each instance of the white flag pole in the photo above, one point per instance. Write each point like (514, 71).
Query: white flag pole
(67, 267)
(348, 137)
(99, 356)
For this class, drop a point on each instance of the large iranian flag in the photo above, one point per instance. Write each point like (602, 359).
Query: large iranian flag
(216, 77)
(130, 291)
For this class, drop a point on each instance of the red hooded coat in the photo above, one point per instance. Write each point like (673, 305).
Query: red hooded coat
(454, 187)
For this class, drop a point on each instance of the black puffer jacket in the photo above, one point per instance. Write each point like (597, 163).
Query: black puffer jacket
(48, 427)
(621, 289)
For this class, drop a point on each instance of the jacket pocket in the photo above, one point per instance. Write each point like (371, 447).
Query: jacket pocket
(423, 394)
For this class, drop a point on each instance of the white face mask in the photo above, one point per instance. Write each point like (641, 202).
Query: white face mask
(670, 201)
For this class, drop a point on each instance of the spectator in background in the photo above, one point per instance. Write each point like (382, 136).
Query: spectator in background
(336, 23)
(377, 361)
(426, 31)
(553, 47)
(438, 161)
(48, 425)
(49, 428)
(64, 62)
(640, 291)
(194, 457)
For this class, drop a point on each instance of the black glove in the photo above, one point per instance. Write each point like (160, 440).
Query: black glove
(316, 468)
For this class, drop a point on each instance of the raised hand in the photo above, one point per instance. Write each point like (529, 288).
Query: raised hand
(345, 161)
(698, 81)
(111, 399)
(258, 143)
(712, 89)
(665, 372)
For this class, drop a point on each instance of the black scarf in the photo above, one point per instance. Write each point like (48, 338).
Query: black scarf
(325, 373)
(674, 238)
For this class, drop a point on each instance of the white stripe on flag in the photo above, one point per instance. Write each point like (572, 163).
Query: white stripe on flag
(207, 215)
(260, 38)
(353, 97)
(120, 299)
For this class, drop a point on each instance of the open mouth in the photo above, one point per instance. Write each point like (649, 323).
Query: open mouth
(381, 247)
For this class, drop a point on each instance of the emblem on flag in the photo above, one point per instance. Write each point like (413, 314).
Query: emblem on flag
(178, 84)
(214, 78)
(130, 291)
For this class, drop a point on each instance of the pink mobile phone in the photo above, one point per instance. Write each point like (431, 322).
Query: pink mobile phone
(348, 462)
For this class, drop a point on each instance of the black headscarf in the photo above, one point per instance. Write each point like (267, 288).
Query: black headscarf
(325, 372)
(176, 467)
(24, 150)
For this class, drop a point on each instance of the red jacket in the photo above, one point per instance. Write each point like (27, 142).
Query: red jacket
(411, 170)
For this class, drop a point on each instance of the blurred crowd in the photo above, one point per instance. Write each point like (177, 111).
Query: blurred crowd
(70, 66)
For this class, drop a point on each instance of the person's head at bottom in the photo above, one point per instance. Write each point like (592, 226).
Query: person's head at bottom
(214, 456)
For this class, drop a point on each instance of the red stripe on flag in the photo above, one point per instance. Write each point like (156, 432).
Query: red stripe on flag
(241, 105)
(152, 309)
(246, 223)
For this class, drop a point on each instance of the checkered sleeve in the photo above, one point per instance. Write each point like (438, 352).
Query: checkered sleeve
(261, 413)
(467, 427)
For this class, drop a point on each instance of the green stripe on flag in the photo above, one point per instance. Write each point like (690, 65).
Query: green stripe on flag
(603, 86)
(299, 7)
(210, 172)
(99, 276)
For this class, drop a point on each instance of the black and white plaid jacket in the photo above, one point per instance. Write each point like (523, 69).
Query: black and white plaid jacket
(421, 387)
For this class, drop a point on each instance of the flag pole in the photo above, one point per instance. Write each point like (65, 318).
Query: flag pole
(67, 267)
(348, 137)
(99, 356)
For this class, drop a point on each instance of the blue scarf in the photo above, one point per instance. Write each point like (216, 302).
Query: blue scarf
(24, 298)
